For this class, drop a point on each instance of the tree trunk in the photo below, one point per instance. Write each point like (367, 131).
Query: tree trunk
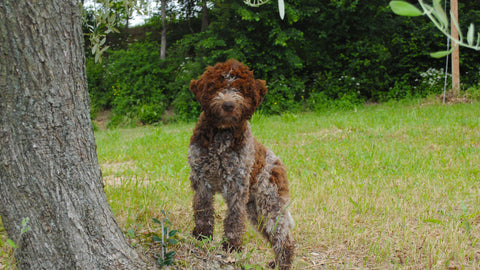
(49, 170)
(204, 16)
(163, 41)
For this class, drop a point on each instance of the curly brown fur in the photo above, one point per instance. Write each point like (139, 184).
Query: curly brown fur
(224, 157)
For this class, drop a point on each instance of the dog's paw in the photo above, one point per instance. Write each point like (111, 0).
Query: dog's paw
(202, 236)
(273, 265)
(228, 247)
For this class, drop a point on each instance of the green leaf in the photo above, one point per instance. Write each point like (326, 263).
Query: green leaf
(115, 30)
(432, 220)
(11, 243)
(471, 34)
(403, 8)
(155, 238)
(104, 49)
(156, 221)
(25, 221)
(440, 13)
(95, 48)
(281, 9)
(172, 241)
(131, 233)
(172, 233)
(97, 58)
(441, 54)
(170, 254)
(353, 202)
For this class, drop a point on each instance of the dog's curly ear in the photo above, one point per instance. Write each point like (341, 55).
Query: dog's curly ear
(261, 91)
(195, 87)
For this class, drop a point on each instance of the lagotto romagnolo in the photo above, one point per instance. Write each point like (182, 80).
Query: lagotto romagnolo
(224, 157)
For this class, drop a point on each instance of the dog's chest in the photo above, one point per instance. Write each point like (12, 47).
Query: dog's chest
(219, 165)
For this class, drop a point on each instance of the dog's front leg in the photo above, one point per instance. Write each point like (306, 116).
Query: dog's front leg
(234, 223)
(203, 212)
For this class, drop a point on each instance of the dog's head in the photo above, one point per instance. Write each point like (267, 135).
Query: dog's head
(228, 93)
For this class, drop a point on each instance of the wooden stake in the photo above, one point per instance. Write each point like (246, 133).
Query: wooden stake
(456, 51)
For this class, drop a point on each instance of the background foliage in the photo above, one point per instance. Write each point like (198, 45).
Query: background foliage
(324, 54)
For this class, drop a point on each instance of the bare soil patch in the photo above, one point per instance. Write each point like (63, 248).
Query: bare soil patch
(102, 119)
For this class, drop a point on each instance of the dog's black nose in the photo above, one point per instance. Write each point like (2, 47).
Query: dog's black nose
(228, 106)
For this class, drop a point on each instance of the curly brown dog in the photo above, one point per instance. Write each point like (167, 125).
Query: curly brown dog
(225, 157)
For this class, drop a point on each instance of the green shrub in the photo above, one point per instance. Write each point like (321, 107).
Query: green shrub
(133, 83)
(343, 41)
(184, 104)
(473, 93)
(331, 93)
(101, 93)
(151, 113)
(402, 89)
(283, 96)
(141, 76)
(318, 101)
(431, 81)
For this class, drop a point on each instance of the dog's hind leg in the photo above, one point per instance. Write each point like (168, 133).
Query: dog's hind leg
(282, 241)
(267, 212)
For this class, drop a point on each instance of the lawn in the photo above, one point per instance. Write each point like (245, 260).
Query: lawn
(386, 186)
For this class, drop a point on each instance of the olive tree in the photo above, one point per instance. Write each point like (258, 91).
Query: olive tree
(49, 172)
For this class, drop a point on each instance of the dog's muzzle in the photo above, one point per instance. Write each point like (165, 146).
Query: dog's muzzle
(228, 106)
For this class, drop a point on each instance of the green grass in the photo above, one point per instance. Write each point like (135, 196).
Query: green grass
(390, 186)
(386, 186)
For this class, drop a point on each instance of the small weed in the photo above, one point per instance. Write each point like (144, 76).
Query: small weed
(166, 240)
(242, 260)
(131, 234)
(7, 248)
(23, 229)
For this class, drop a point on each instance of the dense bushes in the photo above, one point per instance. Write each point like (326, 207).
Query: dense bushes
(140, 87)
(132, 82)
(334, 55)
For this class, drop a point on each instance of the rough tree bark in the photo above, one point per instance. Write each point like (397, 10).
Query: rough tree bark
(48, 164)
